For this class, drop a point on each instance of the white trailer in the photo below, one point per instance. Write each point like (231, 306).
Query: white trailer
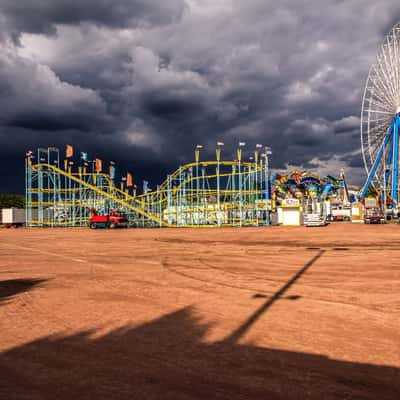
(341, 213)
(13, 217)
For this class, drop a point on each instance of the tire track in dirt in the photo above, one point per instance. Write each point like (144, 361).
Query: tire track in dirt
(59, 255)
(26, 306)
(92, 264)
(212, 282)
(263, 291)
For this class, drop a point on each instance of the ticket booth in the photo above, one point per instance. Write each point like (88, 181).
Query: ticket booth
(292, 213)
(357, 213)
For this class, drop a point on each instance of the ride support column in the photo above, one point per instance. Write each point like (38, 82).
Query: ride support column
(395, 143)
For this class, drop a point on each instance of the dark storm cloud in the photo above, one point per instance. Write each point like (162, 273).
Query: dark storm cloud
(42, 16)
(355, 161)
(142, 82)
(33, 97)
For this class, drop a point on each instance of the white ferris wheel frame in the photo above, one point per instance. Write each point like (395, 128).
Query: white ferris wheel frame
(381, 101)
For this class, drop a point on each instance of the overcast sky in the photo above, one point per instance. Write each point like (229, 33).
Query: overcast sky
(141, 82)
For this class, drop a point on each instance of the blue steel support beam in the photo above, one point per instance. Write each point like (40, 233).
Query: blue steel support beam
(377, 161)
(389, 163)
(395, 143)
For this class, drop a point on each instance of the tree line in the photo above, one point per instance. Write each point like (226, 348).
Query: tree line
(12, 200)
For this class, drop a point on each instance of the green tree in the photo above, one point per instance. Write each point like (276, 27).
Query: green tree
(12, 200)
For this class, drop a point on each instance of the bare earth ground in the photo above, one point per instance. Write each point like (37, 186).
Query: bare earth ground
(254, 313)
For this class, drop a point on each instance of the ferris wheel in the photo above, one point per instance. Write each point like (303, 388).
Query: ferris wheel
(380, 118)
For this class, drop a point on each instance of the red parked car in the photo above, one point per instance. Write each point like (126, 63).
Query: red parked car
(115, 219)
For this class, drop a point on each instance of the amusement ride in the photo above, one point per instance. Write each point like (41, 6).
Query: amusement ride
(220, 192)
(380, 120)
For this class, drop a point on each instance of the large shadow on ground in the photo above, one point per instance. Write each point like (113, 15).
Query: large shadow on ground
(12, 287)
(168, 358)
(243, 328)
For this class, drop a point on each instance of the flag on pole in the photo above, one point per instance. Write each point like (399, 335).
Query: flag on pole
(199, 146)
(69, 152)
(268, 150)
(99, 165)
(259, 146)
(29, 154)
(129, 180)
(84, 156)
(145, 186)
(241, 144)
(220, 143)
(112, 171)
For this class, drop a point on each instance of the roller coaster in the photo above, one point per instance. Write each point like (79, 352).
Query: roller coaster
(217, 193)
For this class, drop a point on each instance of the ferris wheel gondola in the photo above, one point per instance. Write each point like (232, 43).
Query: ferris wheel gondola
(380, 118)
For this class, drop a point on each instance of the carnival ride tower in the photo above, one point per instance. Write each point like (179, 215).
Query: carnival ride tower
(380, 119)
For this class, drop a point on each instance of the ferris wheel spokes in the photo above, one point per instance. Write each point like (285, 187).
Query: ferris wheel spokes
(380, 119)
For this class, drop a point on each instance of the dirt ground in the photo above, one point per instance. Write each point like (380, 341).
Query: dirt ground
(251, 313)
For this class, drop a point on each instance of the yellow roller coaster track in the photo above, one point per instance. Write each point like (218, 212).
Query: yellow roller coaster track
(153, 206)
(123, 202)
(178, 171)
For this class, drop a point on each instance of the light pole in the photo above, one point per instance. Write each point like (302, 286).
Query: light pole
(218, 154)
(250, 191)
(256, 170)
(232, 195)
(205, 203)
(169, 199)
(197, 158)
(123, 179)
(268, 152)
(239, 158)
(189, 204)
(160, 214)
(256, 158)
(251, 177)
